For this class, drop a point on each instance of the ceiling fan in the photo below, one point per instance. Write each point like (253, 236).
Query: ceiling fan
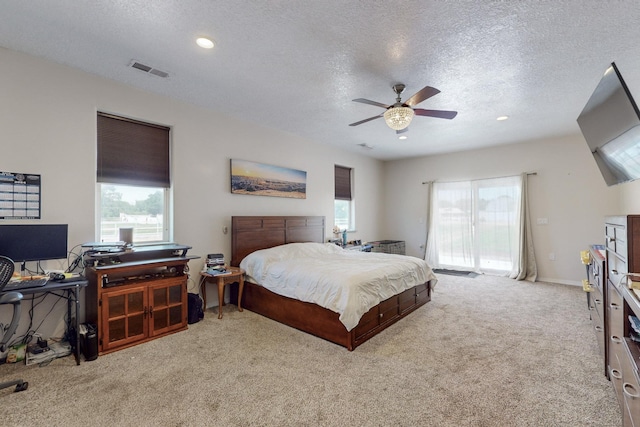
(398, 116)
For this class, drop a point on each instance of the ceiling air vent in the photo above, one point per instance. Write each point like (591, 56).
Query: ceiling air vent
(150, 70)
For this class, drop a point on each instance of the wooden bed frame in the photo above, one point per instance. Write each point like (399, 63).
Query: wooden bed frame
(252, 233)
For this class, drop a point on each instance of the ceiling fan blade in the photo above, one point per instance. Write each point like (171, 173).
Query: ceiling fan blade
(368, 101)
(435, 113)
(398, 132)
(366, 120)
(424, 93)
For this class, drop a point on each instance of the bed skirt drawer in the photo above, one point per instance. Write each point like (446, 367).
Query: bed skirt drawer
(389, 304)
(421, 288)
(422, 294)
(386, 316)
(368, 321)
(407, 299)
(369, 316)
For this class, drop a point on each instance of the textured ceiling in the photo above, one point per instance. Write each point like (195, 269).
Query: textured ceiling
(295, 65)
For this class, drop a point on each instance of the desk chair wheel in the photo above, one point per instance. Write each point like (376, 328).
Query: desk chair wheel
(20, 385)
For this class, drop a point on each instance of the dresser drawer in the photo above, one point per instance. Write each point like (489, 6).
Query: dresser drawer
(630, 383)
(616, 238)
(616, 269)
(610, 236)
(596, 304)
(598, 327)
(615, 313)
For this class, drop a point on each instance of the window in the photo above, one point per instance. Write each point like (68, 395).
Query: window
(343, 203)
(133, 179)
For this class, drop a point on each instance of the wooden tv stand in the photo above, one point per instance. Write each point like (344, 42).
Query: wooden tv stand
(137, 295)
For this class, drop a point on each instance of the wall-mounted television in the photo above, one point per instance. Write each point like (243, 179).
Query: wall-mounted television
(610, 123)
(33, 242)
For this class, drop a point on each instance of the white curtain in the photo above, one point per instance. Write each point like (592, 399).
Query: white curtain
(525, 267)
(480, 226)
(450, 239)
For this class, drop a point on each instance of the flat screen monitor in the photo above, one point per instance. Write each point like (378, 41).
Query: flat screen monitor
(38, 242)
(610, 123)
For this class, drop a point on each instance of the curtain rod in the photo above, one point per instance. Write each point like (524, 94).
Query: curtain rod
(495, 177)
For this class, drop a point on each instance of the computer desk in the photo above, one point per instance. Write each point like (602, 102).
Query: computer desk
(71, 292)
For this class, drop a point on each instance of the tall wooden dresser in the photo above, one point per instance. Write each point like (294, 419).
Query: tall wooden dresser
(622, 236)
(597, 300)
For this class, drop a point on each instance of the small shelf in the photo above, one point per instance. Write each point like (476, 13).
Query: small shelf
(146, 263)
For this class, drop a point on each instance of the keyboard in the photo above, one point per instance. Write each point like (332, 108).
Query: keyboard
(25, 284)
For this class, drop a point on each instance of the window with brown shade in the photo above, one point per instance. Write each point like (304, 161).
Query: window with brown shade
(342, 183)
(133, 176)
(132, 152)
(343, 203)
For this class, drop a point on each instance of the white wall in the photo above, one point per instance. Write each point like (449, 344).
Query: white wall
(630, 195)
(567, 190)
(48, 122)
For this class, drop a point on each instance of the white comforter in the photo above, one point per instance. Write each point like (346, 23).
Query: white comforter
(344, 281)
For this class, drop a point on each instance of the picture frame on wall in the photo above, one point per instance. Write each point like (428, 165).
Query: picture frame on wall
(259, 179)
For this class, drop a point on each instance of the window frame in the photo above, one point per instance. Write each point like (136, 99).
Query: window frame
(122, 163)
(342, 193)
(167, 220)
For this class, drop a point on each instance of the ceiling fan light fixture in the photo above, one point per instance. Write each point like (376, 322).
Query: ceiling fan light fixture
(398, 118)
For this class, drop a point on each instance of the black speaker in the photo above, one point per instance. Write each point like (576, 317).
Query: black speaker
(90, 343)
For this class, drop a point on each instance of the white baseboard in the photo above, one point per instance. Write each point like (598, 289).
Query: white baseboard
(560, 281)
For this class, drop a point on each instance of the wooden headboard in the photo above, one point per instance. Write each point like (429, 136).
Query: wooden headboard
(252, 233)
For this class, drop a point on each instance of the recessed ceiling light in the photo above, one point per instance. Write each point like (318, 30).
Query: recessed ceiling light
(402, 137)
(501, 118)
(204, 42)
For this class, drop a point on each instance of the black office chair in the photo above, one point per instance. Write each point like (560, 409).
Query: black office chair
(6, 271)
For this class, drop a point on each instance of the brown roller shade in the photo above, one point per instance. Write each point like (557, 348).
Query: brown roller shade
(343, 183)
(132, 152)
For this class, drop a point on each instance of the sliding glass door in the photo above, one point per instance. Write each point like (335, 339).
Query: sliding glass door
(475, 224)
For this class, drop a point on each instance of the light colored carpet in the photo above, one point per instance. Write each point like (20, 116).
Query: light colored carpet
(486, 351)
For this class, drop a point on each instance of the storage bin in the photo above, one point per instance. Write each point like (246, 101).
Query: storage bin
(388, 246)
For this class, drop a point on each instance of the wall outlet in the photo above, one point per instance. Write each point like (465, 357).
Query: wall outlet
(552, 256)
(543, 221)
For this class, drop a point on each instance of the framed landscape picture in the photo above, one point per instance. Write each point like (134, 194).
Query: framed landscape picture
(259, 179)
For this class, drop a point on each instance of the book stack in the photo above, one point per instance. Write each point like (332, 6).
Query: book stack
(215, 264)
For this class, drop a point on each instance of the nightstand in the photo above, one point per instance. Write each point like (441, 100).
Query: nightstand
(233, 275)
